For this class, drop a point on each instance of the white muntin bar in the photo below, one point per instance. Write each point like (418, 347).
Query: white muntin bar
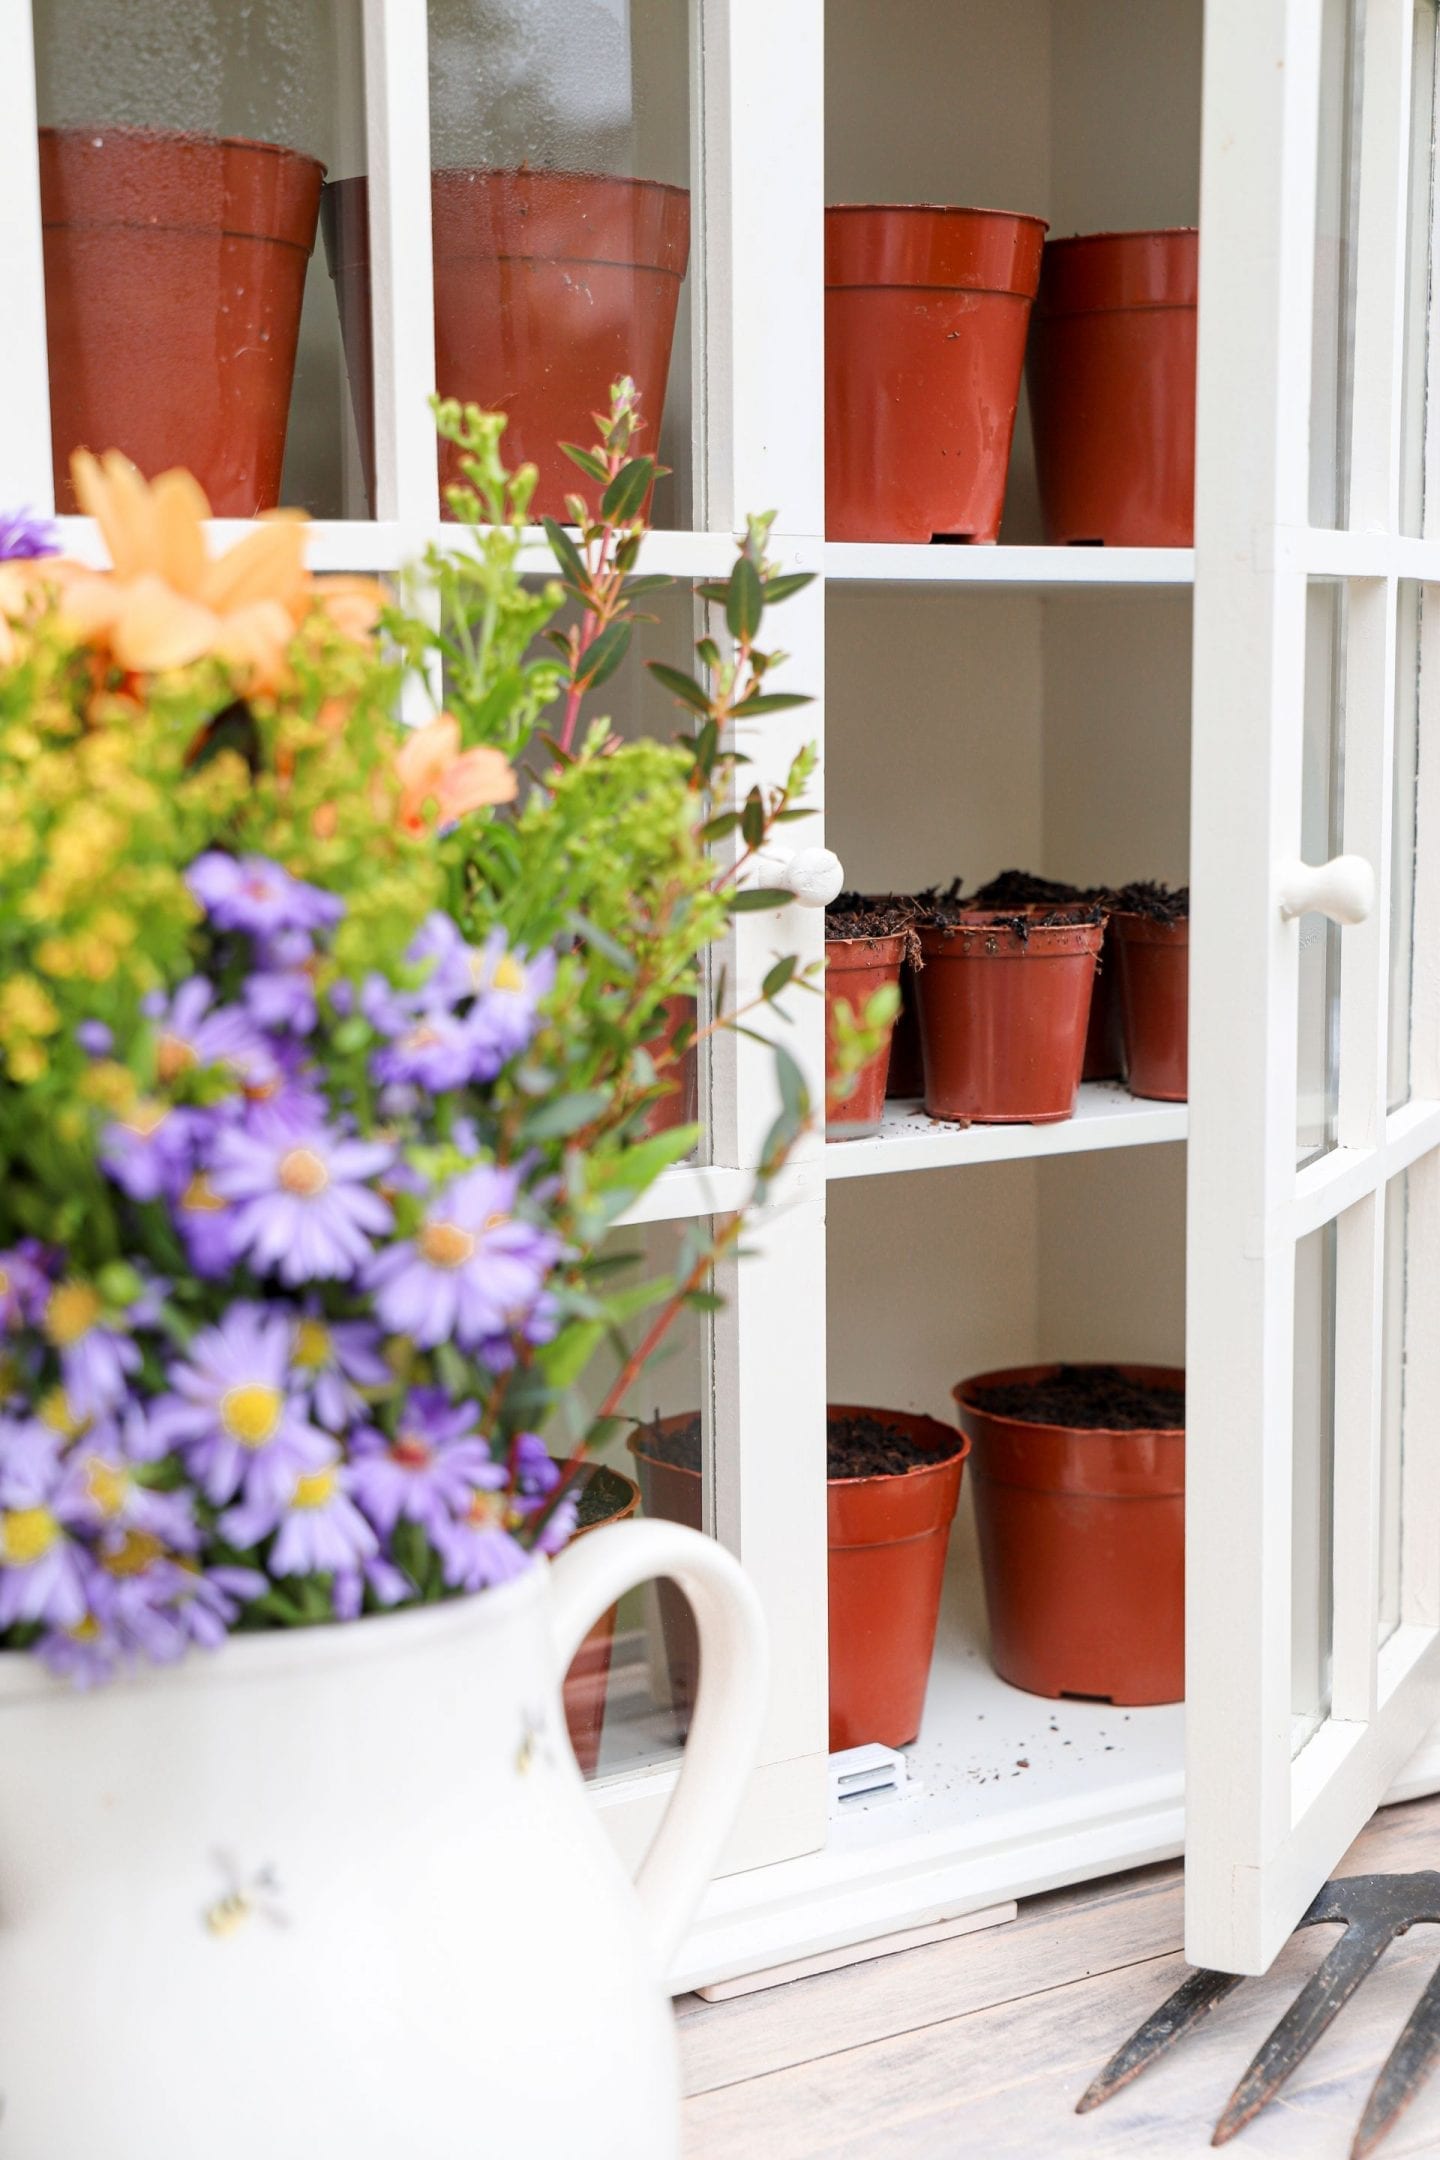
(397, 127)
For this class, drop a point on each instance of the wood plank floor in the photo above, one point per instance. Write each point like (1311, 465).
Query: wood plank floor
(982, 2045)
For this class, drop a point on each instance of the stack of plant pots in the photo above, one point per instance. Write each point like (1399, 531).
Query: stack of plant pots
(893, 1486)
(1078, 1475)
(867, 943)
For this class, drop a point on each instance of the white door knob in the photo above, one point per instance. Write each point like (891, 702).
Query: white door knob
(812, 875)
(1343, 889)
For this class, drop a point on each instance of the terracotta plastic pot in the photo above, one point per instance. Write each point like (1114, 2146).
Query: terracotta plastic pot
(1105, 1036)
(1155, 1002)
(888, 1538)
(681, 1105)
(174, 271)
(1082, 1546)
(855, 968)
(1004, 1017)
(588, 1680)
(906, 1080)
(1111, 372)
(548, 287)
(926, 310)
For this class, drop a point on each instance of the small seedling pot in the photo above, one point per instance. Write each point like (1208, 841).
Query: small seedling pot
(606, 1496)
(926, 310)
(1155, 1004)
(855, 968)
(1111, 374)
(680, 1104)
(905, 1080)
(174, 272)
(1105, 1036)
(1004, 1013)
(888, 1538)
(549, 286)
(1082, 1547)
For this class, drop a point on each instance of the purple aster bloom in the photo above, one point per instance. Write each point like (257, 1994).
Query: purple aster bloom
(97, 1360)
(439, 1051)
(87, 1654)
(208, 1602)
(25, 536)
(97, 1491)
(303, 1207)
(560, 1528)
(474, 1272)
(539, 1325)
(192, 1030)
(508, 988)
(42, 1569)
(151, 1153)
(280, 992)
(479, 1550)
(204, 1221)
(24, 1284)
(385, 1582)
(317, 1527)
(234, 1412)
(429, 1471)
(94, 1038)
(252, 894)
(333, 1360)
(29, 1452)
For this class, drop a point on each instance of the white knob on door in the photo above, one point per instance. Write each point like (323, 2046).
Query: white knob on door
(812, 875)
(1343, 889)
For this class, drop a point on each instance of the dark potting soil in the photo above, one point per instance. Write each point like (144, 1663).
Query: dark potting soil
(603, 1494)
(858, 1447)
(1159, 903)
(871, 915)
(1021, 888)
(1091, 1398)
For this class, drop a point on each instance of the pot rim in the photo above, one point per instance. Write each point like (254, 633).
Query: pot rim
(864, 950)
(937, 209)
(960, 1394)
(168, 138)
(938, 941)
(1130, 923)
(886, 1477)
(255, 1656)
(1137, 232)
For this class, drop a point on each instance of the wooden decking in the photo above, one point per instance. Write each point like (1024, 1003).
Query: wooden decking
(980, 2046)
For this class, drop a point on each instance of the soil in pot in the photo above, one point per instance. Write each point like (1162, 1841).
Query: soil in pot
(1005, 1010)
(174, 271)
(1151, 926)
(866, 945)
(1079, 1484)
(549, 286)
(1111, 372)
(926, 310)
(606, 1496)
(680, 1104)
(894, 1484)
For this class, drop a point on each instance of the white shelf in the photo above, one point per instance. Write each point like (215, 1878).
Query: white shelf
(1107, 1116)
(867, 562)
(688, 1191)
(1100, 1789)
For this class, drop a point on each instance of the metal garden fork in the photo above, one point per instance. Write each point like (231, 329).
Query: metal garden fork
(1375, 1910)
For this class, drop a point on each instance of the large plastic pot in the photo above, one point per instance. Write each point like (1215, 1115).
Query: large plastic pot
(926, 310)
(1111, 372)
(587, 1682)
(855, 968)
(1082, 1547)
(888, 1538)
(549, 286)
(174, 271)
(1155, 1004)
(1004, 1016)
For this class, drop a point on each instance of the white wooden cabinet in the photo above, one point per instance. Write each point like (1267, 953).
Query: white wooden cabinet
(1022, 705)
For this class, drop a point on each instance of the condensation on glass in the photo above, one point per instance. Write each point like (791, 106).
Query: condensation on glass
(1392, 1399)
(1312, 1556)
(190, 319)
(1403, 828)
(1420, 221)
(560, 138)
(631, 1690)
(1336, 217)
(1322, 784)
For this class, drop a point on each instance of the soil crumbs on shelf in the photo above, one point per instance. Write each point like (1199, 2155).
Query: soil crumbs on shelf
(1091, 1398)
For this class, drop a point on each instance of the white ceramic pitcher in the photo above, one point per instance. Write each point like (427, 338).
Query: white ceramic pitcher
(339, 1895)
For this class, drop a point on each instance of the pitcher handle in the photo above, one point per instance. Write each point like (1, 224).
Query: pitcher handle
(725, 1725)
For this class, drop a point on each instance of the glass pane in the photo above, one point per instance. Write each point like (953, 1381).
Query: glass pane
(631, 1689)
(560, 138)
(1337, 190)
(182, 148)
(1313, 1484)
(1322, 777)
(1411, 600)
(1392, 1398)
(1417, 269)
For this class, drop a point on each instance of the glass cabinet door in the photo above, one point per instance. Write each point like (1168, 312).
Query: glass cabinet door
(1313, 1660)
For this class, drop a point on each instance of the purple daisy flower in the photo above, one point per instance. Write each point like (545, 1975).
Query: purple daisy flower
(475, 1270)
(280, 993)
(317, 1527)
(192, 1031)
(42, 1569)
(438, 1051)
(234, 1412)
(150, 1153)
(333, 1360)
(29, 1452)
(208, 1602)
(204, 1220)
(508, 988)
(429, 1471)
(24, 1284)
(25, 536)
(97, 1360)
(86, 1654)
(97, 1491)
(303, 1207)
(478, 1550)
(385, 1582)
(252, 894)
